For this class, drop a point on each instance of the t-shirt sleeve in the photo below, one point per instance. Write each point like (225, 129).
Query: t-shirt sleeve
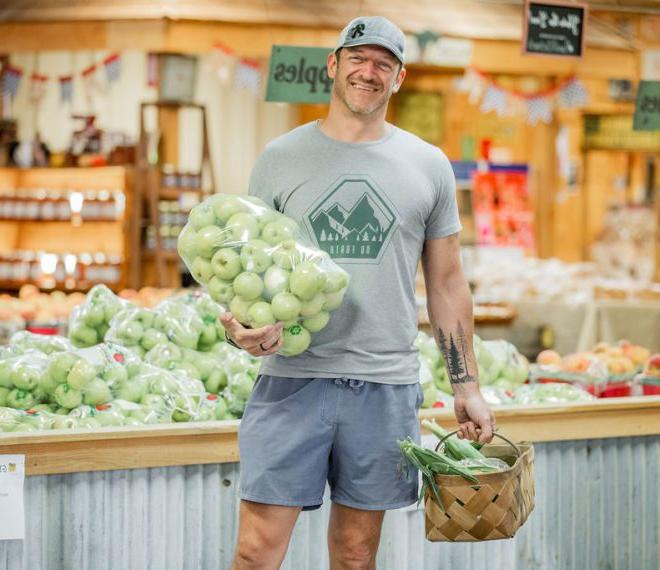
(261, 180)
(443, 219)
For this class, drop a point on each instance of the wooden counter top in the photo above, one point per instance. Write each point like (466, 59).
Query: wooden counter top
(61, 451)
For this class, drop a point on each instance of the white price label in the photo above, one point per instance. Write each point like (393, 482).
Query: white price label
(12, 477)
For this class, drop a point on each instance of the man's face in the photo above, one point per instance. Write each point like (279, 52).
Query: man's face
(365, 77)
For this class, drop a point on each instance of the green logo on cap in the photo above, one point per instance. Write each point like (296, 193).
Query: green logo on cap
(356, 31)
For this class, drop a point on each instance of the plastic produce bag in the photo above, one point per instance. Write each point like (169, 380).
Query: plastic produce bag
(550, 393)
(21, 380)
(90, 321)
(500, 364)
(16, 420)
(25, 340)
(253, 262)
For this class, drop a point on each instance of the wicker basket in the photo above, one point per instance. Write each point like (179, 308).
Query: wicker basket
(494, 508)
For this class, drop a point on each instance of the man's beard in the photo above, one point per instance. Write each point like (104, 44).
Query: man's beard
(340, 90)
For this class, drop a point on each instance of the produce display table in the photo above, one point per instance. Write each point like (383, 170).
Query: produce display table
(165, 497)
(579, 326)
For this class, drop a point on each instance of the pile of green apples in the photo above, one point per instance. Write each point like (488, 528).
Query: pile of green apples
(23, 341)
(90, 321)
(251, 260)
(499, 362)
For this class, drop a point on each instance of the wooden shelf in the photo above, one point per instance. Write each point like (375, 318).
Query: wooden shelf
(7, 285)
(61, 451)
(168, 255)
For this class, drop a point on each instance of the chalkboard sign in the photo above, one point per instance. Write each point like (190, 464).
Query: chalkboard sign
(647, 108)
(554, 28)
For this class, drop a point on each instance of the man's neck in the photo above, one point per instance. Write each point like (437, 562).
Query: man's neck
(344, 126)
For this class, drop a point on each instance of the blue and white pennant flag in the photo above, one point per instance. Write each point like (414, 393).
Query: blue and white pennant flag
(11, 80)
(112, 66)
(573, 94)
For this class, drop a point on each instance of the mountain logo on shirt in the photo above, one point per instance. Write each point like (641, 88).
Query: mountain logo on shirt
(353, 221)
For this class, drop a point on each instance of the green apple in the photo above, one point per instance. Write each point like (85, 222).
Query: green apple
(89, 423)
(333, 300)
(239, 308)
(279, 230)
(5, 374)
(164, 384)
(25, 377)
(201, 270)
(65, 422)
(210, 239)
(4, 392)
(67, 397)
(94, 315)
(276, 280)
(317, 322)
(287, 254)
(306, 280)
(151, 338)
(216, 381)
(220, 291)
(83, 335)
(190, 369)
(96, 392)
(248, 285)
(226, 263)
(81, 374)
(187, 243)
(38, 419)
(285, 306)
(60, 365)
(201, 216)
(241, 385)
(47, 384)
(241, 228)
(133, 390)
(313, 306)
(260, 315)
(24, 427)
(296, 340)
(256, 256)
(115, 375)
(130, 332)
(227, 207)
(221, 409)
(336, 281)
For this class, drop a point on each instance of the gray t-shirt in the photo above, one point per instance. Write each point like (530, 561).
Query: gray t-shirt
(371, 206)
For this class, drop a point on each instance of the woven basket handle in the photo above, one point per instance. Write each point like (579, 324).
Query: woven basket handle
(515, 447)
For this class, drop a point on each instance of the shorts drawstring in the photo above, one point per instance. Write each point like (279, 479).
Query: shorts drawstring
(355, 385)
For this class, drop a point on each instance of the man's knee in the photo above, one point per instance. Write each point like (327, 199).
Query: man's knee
(353, 551)
(258, 551)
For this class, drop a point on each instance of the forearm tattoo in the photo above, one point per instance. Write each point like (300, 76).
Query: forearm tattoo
(458, 354)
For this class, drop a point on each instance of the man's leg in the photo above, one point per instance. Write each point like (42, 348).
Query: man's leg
(264, 532)
(353, 538)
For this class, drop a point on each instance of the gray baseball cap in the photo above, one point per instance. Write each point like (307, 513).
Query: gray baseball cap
(373, 30)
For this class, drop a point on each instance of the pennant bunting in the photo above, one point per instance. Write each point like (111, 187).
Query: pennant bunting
(37, 87)
(112, 65)
(66, 88)
(537, 106)
(11, 80)
(223, 62)
(248, 75)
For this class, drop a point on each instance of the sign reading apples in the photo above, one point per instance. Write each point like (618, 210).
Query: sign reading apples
(252, 261)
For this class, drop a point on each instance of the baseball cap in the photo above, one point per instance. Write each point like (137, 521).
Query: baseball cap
(373, 30)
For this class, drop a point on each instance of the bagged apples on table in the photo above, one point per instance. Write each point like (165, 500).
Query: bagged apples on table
(17, 420)
(253, 262)
(90, 321)
(21, 380)
(48, 344)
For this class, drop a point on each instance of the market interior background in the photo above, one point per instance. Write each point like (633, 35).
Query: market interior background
(117, 118)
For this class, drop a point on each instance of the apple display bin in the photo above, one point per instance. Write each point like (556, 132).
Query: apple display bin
(492, 509)
(253, 261)
(165, 498)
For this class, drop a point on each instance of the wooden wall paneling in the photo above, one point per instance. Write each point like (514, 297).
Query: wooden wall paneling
(104, 237)
(8, 236)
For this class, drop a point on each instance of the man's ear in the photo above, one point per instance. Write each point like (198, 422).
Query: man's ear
(332, 65)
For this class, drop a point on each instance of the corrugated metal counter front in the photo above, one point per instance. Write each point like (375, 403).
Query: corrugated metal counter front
(164, 497)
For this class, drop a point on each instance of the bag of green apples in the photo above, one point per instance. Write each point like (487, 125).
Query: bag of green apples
(21, 379)
(17, 420)
(90, 321)
(253, 262)
(48, 344)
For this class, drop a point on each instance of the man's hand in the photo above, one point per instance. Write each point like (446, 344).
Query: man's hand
(258, 342)
(476, 420)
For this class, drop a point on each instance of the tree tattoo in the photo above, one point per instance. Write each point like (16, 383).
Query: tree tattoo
(455, 351)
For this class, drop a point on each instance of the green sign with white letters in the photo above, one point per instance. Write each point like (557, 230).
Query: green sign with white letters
(647, 108)
(299, 75)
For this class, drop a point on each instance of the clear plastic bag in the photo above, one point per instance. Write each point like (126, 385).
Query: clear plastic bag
(25, 340)
(21, 380)
(16, 420)
(90, 321)
(253, 262)
(550, 393)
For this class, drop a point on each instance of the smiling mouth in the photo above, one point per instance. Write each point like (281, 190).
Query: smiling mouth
(364, 88)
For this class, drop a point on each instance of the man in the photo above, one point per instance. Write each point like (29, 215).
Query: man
(375, 198)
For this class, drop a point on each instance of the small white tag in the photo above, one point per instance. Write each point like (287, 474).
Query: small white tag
(12, 477)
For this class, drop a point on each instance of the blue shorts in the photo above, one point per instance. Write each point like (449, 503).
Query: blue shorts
(296, 434)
